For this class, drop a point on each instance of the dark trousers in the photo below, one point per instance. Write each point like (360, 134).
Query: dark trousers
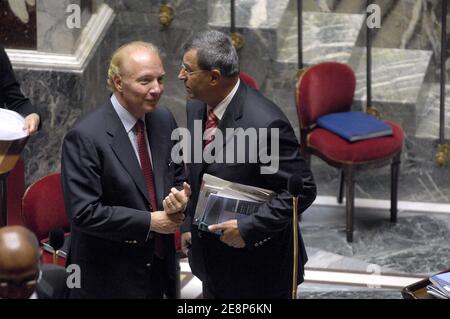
(159, 279)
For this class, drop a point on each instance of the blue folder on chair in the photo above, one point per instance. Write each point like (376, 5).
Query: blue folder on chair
(354, 126)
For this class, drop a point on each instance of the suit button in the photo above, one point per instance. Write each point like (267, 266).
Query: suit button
(148, 265)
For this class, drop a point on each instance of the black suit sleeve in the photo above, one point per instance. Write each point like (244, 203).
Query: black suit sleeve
(276, 215)
(81, 170)
(180, 171)
(10, 92)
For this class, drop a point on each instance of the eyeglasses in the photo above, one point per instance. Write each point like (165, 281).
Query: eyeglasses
(189, 73)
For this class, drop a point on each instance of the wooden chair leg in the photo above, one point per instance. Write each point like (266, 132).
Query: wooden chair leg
(350, 195)
(394, 184)
(341, 186)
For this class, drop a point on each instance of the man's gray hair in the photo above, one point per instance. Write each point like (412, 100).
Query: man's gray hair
(215, 51)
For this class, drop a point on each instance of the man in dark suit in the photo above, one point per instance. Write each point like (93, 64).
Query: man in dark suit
(253, 256)
(116, 169)
(12, 97)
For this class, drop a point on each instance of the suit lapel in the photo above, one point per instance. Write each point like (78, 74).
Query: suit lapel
(229, 120)
(123, 149)
(155, 138)
(197, 112)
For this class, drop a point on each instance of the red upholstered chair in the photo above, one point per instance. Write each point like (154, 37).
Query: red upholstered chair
(43, 209)
(248, 79)
(329, 88)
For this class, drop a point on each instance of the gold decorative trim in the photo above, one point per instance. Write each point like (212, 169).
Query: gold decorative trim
(373, 111)
(166, 15)
(238, 40)
(442, 154)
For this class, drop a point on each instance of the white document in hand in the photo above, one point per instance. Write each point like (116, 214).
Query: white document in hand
(11, 125)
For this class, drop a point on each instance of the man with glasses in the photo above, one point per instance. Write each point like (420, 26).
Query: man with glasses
(253, 256)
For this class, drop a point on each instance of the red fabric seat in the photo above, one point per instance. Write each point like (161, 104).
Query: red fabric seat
(329, 88)
(248, 79)
(338, 149)
(43, 210)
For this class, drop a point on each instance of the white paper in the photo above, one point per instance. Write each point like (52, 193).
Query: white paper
(11, 125)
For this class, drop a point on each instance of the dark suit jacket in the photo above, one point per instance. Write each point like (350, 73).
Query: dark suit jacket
(10, 94)
(263, 268)
(53, 283)
(107, 202)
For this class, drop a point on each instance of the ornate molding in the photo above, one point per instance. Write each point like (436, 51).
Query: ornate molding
(89, 39)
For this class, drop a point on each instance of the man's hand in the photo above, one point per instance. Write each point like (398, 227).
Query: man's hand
(31, 123)
(230, 235)
(176, 201)
(164, 223)
(186, 242)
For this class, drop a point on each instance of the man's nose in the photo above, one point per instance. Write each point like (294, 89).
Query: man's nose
(181, 75)
(156, 88)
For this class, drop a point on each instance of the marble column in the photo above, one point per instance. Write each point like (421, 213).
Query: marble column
(54, 34)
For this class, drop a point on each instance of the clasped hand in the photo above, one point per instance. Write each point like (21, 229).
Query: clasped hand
(176, 201)
(170, 219)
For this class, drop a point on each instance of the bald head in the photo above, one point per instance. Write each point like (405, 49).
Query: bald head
(121, 57)
(19, 261)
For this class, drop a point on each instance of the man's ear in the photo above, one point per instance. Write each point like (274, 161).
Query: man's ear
(215, 76)
(118, 83)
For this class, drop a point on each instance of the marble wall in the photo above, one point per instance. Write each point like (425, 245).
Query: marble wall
(54, 34)
(63, 96)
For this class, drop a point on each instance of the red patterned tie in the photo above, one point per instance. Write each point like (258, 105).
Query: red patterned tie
(210, 127)
(147, 171)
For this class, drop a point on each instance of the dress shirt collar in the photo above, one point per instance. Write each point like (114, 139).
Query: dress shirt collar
(128, 120)
(220, 109)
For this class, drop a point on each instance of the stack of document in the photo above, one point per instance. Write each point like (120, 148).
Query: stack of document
(220, 200)
(440, 287)
(11, 126)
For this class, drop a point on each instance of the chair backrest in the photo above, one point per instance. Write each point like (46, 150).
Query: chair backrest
(324, 88)
(43, 206)
(248, 79)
